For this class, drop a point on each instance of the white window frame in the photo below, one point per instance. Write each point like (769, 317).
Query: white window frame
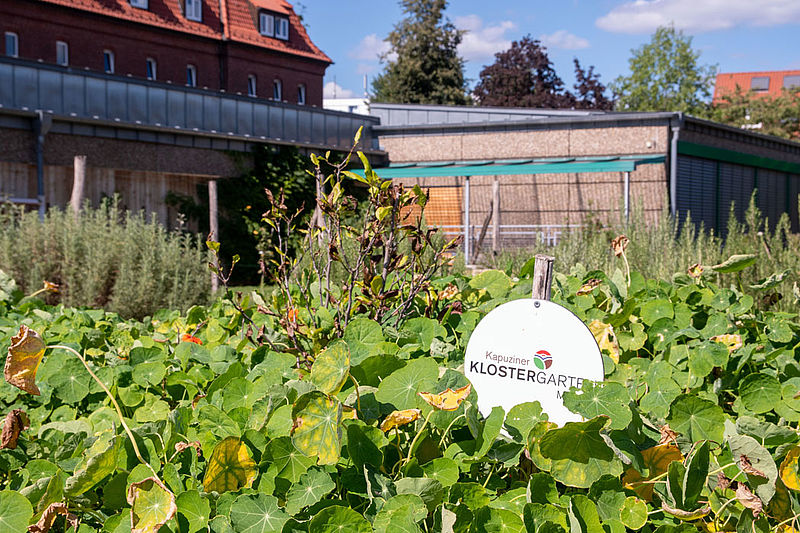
(62, 53)
(282, 28)
(151, 68)
(194, 10)
(141, 4)
(109, 65)
(10, 36)
(252, 85)
(191, 76)
(277, 90)
(266, 24)
(301, 94)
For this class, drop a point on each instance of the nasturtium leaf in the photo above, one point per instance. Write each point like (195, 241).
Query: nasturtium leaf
(542, 517)
(239, 392)
(495, 282)
(582, 514)
(257, 513)
(338, 519)
(751, 456)
(363, 446)
(521, 419)
(603, 398)
(153, 410)
(471, 494)
(99, 461)
(230, 467)
(195, 509)
(286, 460)
(311, 488)
(735, 263)
(317, 426)
(431, 491)
(24, 355)
(633, 513)
(697, 419)
(152, 505)
(449, 400)
(605, 338)
(149, 374)
(15, 512)
(421, 331)
(399, 418)
(400, 388)
(489, 432)
(542, 488)
(363, 337)
(759, 392)
(656, 461)
(660, 396)
(443, 470)
(490, 520)
(653, 310)
(330, 369)
(789, 469)
(778, 330)
(400, 514)
(577, 441)
(71, 384)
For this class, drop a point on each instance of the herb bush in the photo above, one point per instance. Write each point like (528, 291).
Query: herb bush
(106, 257)
(301, 413)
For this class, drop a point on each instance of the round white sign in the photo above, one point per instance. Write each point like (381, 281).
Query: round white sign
(531, 350)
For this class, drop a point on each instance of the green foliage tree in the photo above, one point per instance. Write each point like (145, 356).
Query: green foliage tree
(665, 75)
(772, 115)
(427, 68)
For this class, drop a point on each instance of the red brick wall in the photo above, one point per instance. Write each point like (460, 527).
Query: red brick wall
(39, 26)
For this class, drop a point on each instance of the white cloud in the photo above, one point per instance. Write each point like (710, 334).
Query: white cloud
(482, 42)
(334, 90)
(644, 16)
(370, 48)
(564, 39)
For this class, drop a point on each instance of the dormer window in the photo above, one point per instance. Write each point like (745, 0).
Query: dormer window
(272, 25)
(194, 10)
(141, 4)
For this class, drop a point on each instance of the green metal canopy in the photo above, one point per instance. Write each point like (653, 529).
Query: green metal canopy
(499, 167)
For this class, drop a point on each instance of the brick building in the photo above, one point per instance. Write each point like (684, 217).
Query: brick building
(760, 83)
(253, 47)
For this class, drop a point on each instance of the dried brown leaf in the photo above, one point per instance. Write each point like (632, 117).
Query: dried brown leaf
(24, 355)
(748, 468)
(619, 244)
(588, 287)
(723, 481)
(194, 444)
(748, 499)
(695, 271)
(667, 435)
(49, 517)
(15, 423)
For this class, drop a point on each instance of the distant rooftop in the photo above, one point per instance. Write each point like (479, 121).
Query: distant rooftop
(762, 83)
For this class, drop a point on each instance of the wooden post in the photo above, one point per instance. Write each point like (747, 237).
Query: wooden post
(542, 277)
(79, 178)
(213, 225)
(496, 215)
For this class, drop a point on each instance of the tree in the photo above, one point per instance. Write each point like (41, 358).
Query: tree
(771, 115)
(522, 76)
(590, 93)
(665, 76)
(426, 68)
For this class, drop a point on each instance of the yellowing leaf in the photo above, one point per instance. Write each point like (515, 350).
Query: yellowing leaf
(349, 413)
(606, 340)
(399, 418)
(230, 467)
(152, 505)
(788, 469)
(656, 460)
(686, 516)
(731, 341)
(448, 400)
(317, 430)
(695, 271)
(24, 356)
(588, 287)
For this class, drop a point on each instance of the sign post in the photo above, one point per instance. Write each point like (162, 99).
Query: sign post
(532, 350)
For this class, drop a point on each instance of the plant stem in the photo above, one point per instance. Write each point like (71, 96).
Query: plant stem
(446, 431)
(413, 442)
(114, 402)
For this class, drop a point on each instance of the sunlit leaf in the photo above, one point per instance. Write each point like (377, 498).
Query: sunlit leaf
(656, 460)
(16, 422)
(15, 512)
(98, 462)
(230, 467)
(317, 426)
(449, 400)
(152, 505)
(24, 356)
(331, 367)
(789, 469)
(731, 341)
(605, 338)
(735, 263)
(257, 513)
(399, 418)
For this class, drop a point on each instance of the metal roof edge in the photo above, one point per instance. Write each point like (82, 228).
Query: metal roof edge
(734, 129)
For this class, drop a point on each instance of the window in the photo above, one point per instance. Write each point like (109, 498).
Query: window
(191, 75)
(139, 3)
(251, 85)
(62, 53)
(194, 10)
(789, 82)
(12, 44)
(267, 24)
(108, 61)
(760, 83)
(277, 90)
(282, 28)
(301, 94)
(152, 71)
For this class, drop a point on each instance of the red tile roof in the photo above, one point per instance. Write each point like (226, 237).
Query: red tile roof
(727, 82)
(240, 18)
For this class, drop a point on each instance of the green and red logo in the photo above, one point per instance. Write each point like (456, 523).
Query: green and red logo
(542, 359)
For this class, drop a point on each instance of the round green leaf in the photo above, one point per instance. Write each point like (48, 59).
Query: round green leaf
(338, 519)
(311, 488)
(400, 514)
(653, 310)
(257, 513)
(606, 398)
(495, 282)
(71, 383)
(317, 423)
(696, 418)
(152, 505)
(331, 367)
(662, 393)
(98, 462)
(15, 512)
(195, 509)
(522, 417)
(633, 513)
(151, 374)
(443, 470)
(760, 392)
(735, 263)
(400, 388)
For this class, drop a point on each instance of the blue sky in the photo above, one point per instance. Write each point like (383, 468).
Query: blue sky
(735, 35)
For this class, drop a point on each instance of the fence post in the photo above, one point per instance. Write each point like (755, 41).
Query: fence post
(467, 232)
(542, 277)
(78, 180)
(496, 215)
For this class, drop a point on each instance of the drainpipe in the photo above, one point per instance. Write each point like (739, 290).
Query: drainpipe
(41, 126)
(673, 166)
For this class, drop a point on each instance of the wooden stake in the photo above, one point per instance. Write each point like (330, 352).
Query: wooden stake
(542, 277)
(79, 178)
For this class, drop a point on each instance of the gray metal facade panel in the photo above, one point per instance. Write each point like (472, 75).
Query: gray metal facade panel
(771, 194)
(194, 111)
(227, 121)
(26, 87)
(95, 97)
(137, 104)
(736, 185)
(697, 190)
(157, 106)
(6, 83)
(51, 91)
(117, 100)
